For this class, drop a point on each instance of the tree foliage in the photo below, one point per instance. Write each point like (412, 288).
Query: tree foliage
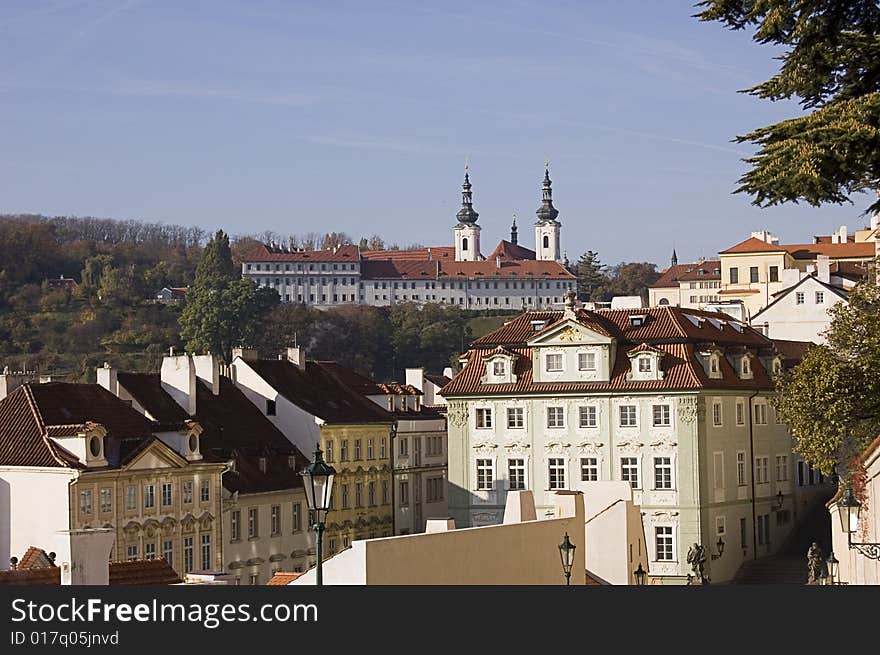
(831, 399)
(590, 275)
(831, 64)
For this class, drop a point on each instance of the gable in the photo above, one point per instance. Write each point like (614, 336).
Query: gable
(156, 456)
(568, 333)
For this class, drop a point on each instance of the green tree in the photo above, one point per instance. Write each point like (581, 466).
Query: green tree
(223, 310)
(831, 400)
(831, 63)
(590, 275)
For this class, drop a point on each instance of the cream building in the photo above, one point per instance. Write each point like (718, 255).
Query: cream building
(694, 286)
(673, 401)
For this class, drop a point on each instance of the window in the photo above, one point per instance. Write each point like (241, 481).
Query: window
(627, 416)
(206, 552)
(662, 416)
(404, 493)
(166, 494)
(713, 364)
(275, 522)
(434, 490)
(149, 496)
(820, 297)
(764, 529)
(799, 298)
(760, 414)
(205, 493)
(235, 525)
(553, 362)
(589, 469)
(484, 417)
(761, 470)
(645, 365)
(131, 497)
(270, 407)
(358, 494)
(515, 417)
(485, 475)
(734, 275)
(404, 446)
(774, 274)
(586, 361)
(296, 517)
(254, 579)
(499, 368)
(782, 468)
(369, 449)
(132, 552)
(740, 412)
(516, 473)
(587, 416)
(343, 450)
(328, 451)
(371, 493)
(663, 543)
(718, 470)
(742, 534)
(746, 365)
(720, 525)
(85, 501)
(556, 472)
(345, 504)
(663, 473)
(187, 554)
(168, 551)
(629, 471)
(717, 417)
(385, 492)
(555, 417)
(741, 468)
(753, 274)
(357, 449)
(106, 500)
(382, 448)
(253, 523)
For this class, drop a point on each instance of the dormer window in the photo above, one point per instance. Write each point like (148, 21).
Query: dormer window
(746, 366)
(291, 462)
(637, 320)
(553, 362)
(645, 365)
(499, 368)
(262, 465)
(390, 403)
(713, 364)
(777, 366)
(537, 326)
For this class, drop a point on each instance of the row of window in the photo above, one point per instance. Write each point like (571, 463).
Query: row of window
(630, 471)
(313, 298)
(759, 413)
(772, 274)
(344, 453)
(800, 297)
(304, 281)
(435, 491)
(359, 495)
(253, 521)
(148, 496)
(587, 416)
(132, 554)
(299, 267)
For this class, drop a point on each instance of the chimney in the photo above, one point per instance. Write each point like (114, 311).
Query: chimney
(208, 371)
(107, 378)
(297, 355)
(244, 353)
(823, 269)
(497, 261)
(87, 560)
(429, 254)
(178, 375)
(9, 382)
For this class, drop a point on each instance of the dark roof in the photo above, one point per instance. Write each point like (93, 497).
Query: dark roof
(318, 392)
(34, 413)
(438, 380)
(706, 270)
(139, 572)
(264, 253)
(232, 428)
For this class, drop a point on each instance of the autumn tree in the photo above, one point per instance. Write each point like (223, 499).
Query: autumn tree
(831, 65)
(831, 399)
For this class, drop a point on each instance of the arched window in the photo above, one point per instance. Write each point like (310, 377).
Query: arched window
(464, 243)
(664, 301)
(546, 241)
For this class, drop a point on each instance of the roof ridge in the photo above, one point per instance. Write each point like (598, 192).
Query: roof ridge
(675, 321)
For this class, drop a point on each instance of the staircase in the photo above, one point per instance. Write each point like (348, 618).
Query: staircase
(789, 565)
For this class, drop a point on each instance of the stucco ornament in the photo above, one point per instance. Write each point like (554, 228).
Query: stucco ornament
(517, 448)
(570, 335)
(688, 410)
(457, 414)
(485, 449)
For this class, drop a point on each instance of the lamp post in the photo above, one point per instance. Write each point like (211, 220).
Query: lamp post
(318, 483)
(832, 563)
(566, 554)
(719, 546)
(640, 575)
(848, 509)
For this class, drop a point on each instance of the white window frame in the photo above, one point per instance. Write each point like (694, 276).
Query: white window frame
(634, 416)
(559, 466)
(782, 468)
(645, 364)
(521, 469)
(557, 412)
(667, 466)
(717, 413)
(519, 416)
(740, 411)
(668, 533)
(585, 359)
(741, 471)
(632, 465)
(499, 368)
(592, 416)
(665, 415)
(547, 357)
(590, 469)
(483, 415)
(483, 465)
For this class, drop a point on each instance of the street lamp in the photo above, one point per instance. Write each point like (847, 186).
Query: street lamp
(566, 553)
(832, 563)
(848, 509)
(318, 483)
(780, 499)
(720, 548)
(640, 575)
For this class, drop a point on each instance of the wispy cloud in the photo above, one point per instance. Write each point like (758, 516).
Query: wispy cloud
(42, 12)
(390, 144)
(115, 9)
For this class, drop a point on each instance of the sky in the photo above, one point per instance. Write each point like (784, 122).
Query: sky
(359, 115)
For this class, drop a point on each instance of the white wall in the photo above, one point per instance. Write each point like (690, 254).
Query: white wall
(788, 320)
(614, 533)
(33, 509)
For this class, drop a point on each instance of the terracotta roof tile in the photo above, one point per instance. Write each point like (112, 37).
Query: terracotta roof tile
(432, 253)
(342, 254)
(862, 250)
(707, 270)
(139, 572)
(508, 250)
(283, 578)
(753, 245)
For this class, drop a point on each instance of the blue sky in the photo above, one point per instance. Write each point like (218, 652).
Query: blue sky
(358, 116)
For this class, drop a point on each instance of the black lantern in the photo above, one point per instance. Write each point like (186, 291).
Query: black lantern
(720, 546)
(318, 484)
(640, 575)
(566, 554)
(780, 499)
(848, 509)
(832, 563)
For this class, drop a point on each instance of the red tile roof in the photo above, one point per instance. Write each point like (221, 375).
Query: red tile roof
(139, 572)
(753, 245)
(35, 558)
(283, 578)
(341, 254)
(422, 254)
(446, 269)
(508, 250)
(707, 270)
(861, 250)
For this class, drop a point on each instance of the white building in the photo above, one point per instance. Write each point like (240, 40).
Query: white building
(512, 276)
(673, 401)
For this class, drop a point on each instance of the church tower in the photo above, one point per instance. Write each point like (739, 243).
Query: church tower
(467, 232)
(674, 260)
(547, 228)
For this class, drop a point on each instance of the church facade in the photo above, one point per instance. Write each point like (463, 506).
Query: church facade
(510, 277)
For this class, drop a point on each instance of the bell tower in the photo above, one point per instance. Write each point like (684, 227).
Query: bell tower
(547, 228)
(467, 232)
